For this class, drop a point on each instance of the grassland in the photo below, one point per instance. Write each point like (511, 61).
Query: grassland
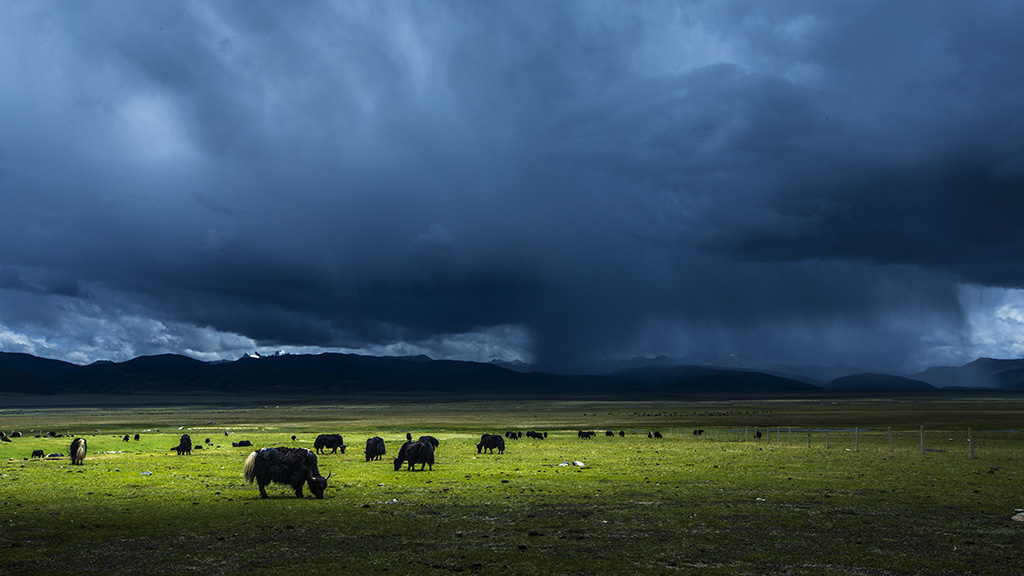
(720, 503)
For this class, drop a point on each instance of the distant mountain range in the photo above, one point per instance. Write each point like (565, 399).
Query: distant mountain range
(811, 374)
(981, 373)
(338, 375)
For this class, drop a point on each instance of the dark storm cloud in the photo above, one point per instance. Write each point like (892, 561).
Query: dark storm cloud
(804, 181)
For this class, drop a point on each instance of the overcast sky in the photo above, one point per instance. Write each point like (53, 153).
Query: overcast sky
(802, 182)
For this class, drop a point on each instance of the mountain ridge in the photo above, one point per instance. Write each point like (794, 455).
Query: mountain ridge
(336, 374)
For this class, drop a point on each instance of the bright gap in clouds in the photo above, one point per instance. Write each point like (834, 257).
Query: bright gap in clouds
(995, 317)
(506, 343)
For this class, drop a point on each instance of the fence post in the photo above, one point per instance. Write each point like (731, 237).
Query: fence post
(890, 438)
(790, 436)
(826, 439)
(922, 439)
(856, 438)
(970, 442)
(808, 436)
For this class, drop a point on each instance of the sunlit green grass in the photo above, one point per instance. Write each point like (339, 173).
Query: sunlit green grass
(722, 503)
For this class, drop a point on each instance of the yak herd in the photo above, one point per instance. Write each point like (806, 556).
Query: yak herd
(297, 466)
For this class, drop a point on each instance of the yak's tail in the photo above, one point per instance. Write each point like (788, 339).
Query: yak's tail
(249, 470)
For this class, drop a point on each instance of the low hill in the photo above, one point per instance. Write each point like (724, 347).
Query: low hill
(878, 382)
(809, 374)
(703, 379)
(42, 368)
(981, 373)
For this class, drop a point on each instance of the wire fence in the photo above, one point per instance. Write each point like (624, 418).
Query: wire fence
(966, 442)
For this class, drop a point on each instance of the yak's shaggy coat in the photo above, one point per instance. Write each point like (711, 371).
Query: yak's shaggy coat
(78, 450)
(375, 448)
(184, 445)
(332, 441)
(421, 452)
(489, 442)
(291, 466)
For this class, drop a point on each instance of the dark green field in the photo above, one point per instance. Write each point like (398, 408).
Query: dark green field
(722, 503)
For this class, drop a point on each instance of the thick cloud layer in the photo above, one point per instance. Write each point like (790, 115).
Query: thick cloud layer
(802, 182)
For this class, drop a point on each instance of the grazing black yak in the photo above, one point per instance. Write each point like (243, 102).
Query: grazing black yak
(490, 442)
(657, 434)
(136, 437)
(291, 466)
(420, 452)
(38, 454)
(78, 450)
(375, 448)
(184, 445)
(332, 441)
